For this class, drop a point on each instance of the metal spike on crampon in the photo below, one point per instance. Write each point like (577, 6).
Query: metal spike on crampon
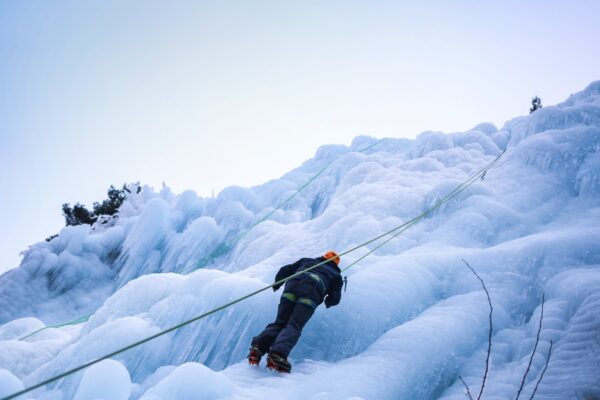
(278, 364)
(254, 356)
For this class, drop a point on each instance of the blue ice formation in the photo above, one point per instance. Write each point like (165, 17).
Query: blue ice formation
(414, 318)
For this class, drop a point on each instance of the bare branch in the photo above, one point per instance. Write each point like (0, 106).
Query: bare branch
(543, 372)
(489, 350)
(537, 340)
(468, 394)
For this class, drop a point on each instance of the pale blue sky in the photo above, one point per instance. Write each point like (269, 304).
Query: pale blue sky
(202, 95)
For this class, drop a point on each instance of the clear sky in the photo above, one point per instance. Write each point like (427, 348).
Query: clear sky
(203, 95)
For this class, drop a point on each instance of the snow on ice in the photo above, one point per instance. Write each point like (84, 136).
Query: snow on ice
(414, 318)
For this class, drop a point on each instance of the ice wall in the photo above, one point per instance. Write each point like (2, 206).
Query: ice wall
(414, 318)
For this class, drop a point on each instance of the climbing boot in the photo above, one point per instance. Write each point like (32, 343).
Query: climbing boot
(254, 356)
(278, 363)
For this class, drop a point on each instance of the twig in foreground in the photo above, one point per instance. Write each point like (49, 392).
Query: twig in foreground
(487, 359)
(468, 394)
(537, 340)
(543, 372)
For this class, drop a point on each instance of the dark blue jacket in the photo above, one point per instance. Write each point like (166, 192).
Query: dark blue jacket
(329, 273)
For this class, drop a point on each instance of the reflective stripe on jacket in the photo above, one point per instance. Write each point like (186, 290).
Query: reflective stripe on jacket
(327, 276)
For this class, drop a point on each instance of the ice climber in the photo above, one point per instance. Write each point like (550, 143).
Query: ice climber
(301, 296)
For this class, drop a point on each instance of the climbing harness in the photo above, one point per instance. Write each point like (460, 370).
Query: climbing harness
(393, 234)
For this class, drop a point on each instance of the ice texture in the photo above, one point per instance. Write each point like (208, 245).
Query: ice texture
(9, 383)
(413, 319)
(106, 380)
(191, 381)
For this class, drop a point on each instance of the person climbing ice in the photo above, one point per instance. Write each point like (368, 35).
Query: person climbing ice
(301, 296)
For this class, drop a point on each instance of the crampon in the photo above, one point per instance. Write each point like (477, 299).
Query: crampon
(254, 356)
(278, 364)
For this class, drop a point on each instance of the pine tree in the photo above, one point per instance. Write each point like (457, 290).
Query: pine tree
(79, 214)
(116, 197)
(536, 104)
(68, 214)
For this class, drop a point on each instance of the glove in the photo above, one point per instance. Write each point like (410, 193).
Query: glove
(276, 287)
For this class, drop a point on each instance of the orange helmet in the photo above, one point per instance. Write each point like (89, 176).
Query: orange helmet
(332, 255)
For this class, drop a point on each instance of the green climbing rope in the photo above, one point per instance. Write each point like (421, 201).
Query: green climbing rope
(393, 233)
(74, 322)
(226, 246)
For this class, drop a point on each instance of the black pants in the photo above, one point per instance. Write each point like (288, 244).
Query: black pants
(297, 305)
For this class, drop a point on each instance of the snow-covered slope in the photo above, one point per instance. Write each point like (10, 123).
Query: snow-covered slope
(413, 319)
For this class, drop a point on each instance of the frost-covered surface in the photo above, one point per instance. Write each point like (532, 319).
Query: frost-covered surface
(414, 318)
